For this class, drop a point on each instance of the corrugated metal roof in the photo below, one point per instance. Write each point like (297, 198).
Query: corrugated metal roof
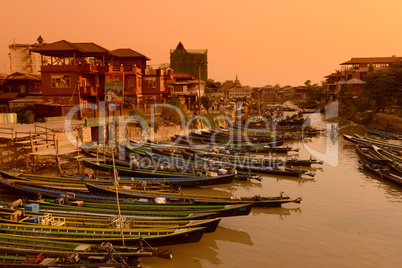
(8, 96)
(375, 60)
(127, 53)
(23, 76)
(91, 47)
(65, 46)
(61, 45)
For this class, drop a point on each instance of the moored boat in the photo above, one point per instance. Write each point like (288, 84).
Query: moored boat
(154, 237)
(256, 200)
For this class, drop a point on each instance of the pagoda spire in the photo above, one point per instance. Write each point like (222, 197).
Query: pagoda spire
(237, 82)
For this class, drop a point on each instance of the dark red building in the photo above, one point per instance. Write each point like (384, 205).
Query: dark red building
(83, 72)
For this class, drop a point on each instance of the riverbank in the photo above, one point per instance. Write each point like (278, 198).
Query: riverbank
(378, 121)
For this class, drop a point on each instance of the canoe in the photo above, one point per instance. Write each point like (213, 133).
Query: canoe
(172, 209)
(144, 215)
(11, 257)
(206, 140)
(104, 180)
(367, 142)
(132, 237)
(385, 134)
(168, 184)
(395, 161)
(256, 200)
(231, 139)
(366, 153)
(137, 172)
(40, 218)
(382, 172)
(247, 159)
(385, 142)
(251, 167)
(15, 250)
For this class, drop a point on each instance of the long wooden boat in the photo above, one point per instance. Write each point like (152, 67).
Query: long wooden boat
(247, 159)
(147, 208)
(137, 172)
(104, 180)
(205, 140)
(26, 258)
(231, 139)
(169, 184)
(34, 192)
(132, 237)
(392, 157)
(256, 200)
(251, 167)
(385, 142)
(15, 250)
(385, 134)
(44, 218)
(395, 161)
(367, 142)
(382, 172)
(162, 209)
(366, 153)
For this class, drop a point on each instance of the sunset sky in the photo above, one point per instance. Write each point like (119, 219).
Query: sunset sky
(262, 41)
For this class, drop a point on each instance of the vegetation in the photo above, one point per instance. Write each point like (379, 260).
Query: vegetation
(384, 87)
(207, 102)
(129, 102)
(215, 123)
(24, 114)
(171, 115)
(137, 111)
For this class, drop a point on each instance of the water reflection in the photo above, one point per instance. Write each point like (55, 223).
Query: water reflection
(299, 180)
(236, 185)
(391, 190)
(282, 212)
(235, 236)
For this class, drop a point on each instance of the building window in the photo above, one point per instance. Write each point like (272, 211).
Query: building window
(83, 82)
(178, 88)
(139, 82)
(150, 82)
(22, 89)
(60, 81)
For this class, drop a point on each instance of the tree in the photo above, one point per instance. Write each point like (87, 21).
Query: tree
(169, 114)
(384, 87)
(207, 102)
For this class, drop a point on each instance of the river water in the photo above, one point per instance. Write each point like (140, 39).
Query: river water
(348, 218)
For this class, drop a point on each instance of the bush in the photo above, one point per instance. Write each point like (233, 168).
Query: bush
(128, 102)
(24, 114)
(173, 116)
(137, 111)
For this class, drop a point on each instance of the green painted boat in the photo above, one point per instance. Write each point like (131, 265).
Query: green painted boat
(15, 250)
(132, 237)
(256, 200)
(43, 218)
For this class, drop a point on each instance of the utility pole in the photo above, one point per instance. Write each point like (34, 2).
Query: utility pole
(79, 99)
(199, 87)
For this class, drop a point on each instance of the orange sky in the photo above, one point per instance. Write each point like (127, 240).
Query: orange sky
(262, 41)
